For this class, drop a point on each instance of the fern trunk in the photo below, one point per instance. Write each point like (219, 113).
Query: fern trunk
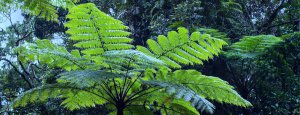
(120, 108)
(120, 111)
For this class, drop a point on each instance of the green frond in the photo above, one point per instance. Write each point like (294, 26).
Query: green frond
(291, 35)
(87, 78)
(215, 33)
(130, 59)
(47, 8)
(209, 87)
(252, 46)
(96, 32)
(181, 92)
(192, 86)
(64, 3)
(184, 107)
(73, 98)
(180, 48)
(158, 101)
(135, 110)
(48, 53)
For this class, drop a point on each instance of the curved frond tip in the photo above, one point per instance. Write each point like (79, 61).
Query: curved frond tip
(181, 48)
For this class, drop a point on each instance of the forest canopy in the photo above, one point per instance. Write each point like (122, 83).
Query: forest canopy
(150, 57)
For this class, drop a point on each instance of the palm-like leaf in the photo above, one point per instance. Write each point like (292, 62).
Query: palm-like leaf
(73, 97)
(192, 86)
(130, 59)
(47, 8)
(251, 46)
(87, 78)
(181, 92)
(48, 53)
(180, 48)
(215, 33)
(95, 32)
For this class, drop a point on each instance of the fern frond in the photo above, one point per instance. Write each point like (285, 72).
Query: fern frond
(48, 53)
(95, 32)
(181, 92)
(208, 86)
(180, 48)
(215, 33)
(191, 85)
(87, 78)
(135, 110)
(73, 98)
(47, 8)
(130, 59)
(252, 46)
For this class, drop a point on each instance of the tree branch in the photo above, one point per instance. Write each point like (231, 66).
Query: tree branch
(8, 16)
(273, 16)
(18, 71)
(247, 15)
(23, 38)
(31, 65)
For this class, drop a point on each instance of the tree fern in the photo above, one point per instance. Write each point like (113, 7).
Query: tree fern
(180, 48)
(79, 84)
(251, 46)
(106, 70)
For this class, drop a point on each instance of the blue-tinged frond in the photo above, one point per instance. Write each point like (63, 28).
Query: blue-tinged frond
(252, 46)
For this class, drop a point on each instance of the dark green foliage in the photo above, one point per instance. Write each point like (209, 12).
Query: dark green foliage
(269, 74)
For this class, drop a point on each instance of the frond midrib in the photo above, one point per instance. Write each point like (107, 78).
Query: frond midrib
(97, 30)
(178, 46)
